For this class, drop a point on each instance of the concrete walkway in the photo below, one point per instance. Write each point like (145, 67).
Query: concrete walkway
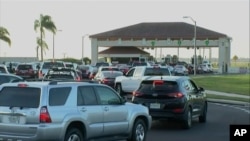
(229, 95)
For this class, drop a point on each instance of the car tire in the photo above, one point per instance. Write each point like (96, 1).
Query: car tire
(187, 122)
(139, 131)
(118, 88)
(74, 134)
(203, 116)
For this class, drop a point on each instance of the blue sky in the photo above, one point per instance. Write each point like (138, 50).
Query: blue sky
(78, 18)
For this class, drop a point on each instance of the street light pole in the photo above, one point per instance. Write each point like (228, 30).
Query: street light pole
(54, 45)
(195, 59)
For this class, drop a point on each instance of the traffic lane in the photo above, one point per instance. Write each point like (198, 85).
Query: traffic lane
(219, 119)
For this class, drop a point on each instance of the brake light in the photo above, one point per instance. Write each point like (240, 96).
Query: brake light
(137, 93)
(22, 85)
(78, 79)
(44, 115)
(158, 82)
(178, 110)
(176, 95)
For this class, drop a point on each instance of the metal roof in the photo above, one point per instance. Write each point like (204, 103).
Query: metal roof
(159, 30)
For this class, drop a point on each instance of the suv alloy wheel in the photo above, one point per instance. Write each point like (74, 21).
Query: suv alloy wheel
(187, 123)
(73, 134)
(139, 131)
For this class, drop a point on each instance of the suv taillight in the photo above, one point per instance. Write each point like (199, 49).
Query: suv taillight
(176, 95)
(44, 115)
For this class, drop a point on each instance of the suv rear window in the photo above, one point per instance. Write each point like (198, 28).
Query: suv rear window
(20, 97)
(48, 65)
(24, 67)
(166, 87)
(156, 71)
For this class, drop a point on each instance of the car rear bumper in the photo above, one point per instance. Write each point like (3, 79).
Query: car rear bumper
(41, 132)
(169, 109)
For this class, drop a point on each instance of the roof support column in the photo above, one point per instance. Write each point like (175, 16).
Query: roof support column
(224, 55)
(94, 51)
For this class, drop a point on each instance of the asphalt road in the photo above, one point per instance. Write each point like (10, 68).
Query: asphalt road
(219, 119)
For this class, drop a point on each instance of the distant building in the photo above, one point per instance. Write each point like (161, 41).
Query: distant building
(18, 59)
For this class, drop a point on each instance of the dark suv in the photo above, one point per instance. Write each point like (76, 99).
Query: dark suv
(172, 97)
(69, 111)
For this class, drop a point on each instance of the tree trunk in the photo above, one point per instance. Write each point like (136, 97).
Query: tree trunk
(41, 45)
(37, 49)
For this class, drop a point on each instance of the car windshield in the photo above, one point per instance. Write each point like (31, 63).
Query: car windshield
(112, 74)
(107, 69)
(156, 71)
(102, 64)
(70, 65)
(48, 65)
(24, 67)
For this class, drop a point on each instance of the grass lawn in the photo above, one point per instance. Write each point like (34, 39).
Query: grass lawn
(235, 83)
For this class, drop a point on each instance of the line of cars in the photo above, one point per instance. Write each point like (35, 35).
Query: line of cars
(165, 95)
(92, 110)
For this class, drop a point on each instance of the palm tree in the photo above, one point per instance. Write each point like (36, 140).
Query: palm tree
(45, 22)
(4, 35)
(41, 44)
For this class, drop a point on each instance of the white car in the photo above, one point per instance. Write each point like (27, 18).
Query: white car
(180, 70)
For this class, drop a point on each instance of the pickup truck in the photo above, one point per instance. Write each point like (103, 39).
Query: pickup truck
(131, 81)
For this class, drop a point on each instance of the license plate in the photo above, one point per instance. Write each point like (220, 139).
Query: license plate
(155, 105)
(14, 119)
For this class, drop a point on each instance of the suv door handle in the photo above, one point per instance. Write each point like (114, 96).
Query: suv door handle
(106, 108)
(83, 109)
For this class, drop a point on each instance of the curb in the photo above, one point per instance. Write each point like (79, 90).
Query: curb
(232, 102)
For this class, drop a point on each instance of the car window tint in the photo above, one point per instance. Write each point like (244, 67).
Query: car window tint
(106, 95)
(24, 67)
(157, 71)
(4, 79)
(86, 96)
(58, 96)
(24, 97)
(111, 74)
(48, 65)
(187, 86)
(2, 70)
(131, 72)
(166, 87)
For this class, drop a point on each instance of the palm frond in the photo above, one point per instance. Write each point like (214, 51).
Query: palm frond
(4, 35)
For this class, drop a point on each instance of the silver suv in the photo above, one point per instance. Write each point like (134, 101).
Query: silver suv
(69, 111)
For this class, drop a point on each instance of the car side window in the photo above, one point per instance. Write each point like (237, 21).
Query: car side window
(58, 96)
(186, 85)
(193, 85)
(86, 96)
(131, 72)
(107, 95)
(138, 72)
(4, 79)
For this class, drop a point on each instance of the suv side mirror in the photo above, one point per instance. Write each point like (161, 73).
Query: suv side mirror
(201, 89)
